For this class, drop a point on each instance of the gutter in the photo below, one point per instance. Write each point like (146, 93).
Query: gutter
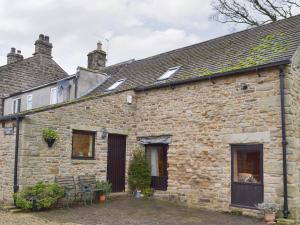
(284, 142)
(209, 77)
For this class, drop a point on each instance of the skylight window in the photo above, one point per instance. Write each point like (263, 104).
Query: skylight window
(169, 73)
(115, 85)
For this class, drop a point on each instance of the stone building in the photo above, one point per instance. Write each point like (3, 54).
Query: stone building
(219, 122)
(20, 74)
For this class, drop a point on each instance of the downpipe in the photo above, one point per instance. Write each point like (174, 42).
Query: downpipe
(284, 142)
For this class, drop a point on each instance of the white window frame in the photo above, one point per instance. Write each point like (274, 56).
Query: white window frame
(51, 96)
(17, 105)
(169, 73)
(29, 102)
(116, 84)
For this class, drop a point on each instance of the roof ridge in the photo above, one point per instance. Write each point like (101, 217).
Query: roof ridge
(210, 40)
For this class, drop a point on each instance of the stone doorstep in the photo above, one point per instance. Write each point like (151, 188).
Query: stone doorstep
(282, 221)
(8, 207)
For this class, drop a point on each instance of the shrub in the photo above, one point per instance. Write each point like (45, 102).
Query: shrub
(139, 175)
(49, 133)
(148, 192)
(104, 186)
(46, 195)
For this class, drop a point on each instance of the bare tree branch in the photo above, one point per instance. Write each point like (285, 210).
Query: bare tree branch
(253, 12)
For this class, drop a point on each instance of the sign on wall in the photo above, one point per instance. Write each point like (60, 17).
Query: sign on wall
(8, 131)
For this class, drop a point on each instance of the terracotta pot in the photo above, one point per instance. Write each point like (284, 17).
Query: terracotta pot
(102, 198)
(270, 217)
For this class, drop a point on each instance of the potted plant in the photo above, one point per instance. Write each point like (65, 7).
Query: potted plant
(50, 136)
(104, 189)
(269, 210)
(139, 174)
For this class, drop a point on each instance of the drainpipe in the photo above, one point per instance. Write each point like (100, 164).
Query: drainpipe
(16, 185)
(284, 142)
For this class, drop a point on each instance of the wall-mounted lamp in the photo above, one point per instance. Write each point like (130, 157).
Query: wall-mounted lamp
(129, 99)
(103, 133)
(244, 86)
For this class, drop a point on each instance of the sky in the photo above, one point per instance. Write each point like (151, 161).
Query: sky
(128, 29)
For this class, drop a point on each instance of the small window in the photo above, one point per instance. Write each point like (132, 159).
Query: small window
(115, 85)
(16, 107)
(83, 144)
(29, 102)
(169, 73)
(53, 95)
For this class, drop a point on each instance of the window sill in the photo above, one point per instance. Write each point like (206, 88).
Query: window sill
(243, 206)
(83, 161)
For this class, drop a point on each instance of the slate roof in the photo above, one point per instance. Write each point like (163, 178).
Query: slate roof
(270, 43)
(28, 73)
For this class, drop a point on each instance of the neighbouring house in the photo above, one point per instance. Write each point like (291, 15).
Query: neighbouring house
(71, 87)
(219, 122)
(20, 74)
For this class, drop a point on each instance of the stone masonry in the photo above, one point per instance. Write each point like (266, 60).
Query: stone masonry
(203, 119)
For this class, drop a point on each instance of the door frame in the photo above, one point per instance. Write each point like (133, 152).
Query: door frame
(248, 148)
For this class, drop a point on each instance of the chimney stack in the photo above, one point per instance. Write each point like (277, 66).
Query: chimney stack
(13, 57)
(43, 46)
(97, 58)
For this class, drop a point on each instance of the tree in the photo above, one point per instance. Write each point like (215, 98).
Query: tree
(253, 12)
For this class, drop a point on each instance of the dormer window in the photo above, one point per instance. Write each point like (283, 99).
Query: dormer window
(115, 85)
(169, 73)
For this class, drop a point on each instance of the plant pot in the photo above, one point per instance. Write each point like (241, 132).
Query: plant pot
(50, 142)
(138, 194)
(102, 198)
(270, 218)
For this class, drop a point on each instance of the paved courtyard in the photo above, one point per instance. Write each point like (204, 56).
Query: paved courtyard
(128, 212)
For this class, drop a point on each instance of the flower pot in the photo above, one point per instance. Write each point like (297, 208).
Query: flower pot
(102, 198)
(50, 142)
(270, 218)
(138, 194)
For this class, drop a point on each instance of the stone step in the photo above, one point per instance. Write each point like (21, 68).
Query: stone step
(15, 210)
(8, 207)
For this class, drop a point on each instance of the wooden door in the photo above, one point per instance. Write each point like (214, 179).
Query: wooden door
(116, 158)
(247, 188)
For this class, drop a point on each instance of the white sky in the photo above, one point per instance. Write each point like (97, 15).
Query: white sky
(135, 29)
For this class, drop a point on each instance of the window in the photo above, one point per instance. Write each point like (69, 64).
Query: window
(247, 188)
(16, 107)
(29, 102)
(83, 144)
(53, 95)
(169, 73)
(115, 85)
(157, 158)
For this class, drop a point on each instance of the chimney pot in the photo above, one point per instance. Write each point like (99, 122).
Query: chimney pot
(13, 50)
(41, 37)
(47, 38)
(99, 45)
(19, 52)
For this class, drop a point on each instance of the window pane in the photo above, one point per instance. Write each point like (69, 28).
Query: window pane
(156, 156)
(83, 145)
(247, 167)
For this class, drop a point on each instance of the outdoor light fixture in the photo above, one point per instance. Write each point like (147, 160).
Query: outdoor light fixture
(104, 133)
(244, 86)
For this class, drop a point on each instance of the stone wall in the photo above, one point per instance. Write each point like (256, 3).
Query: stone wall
(292, 95)
(7, 157)
(40, 163)
(204, 119)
